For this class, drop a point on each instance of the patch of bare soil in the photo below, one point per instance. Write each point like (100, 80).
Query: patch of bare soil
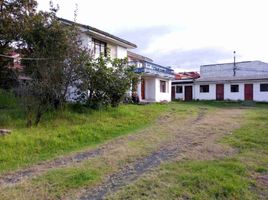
(264, 179)
(76, 158)
(12, 178)
(170, 138)
(194, 140)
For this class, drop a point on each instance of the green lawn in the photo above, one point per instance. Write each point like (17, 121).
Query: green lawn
(68, 130)
(234, 177)
(65, 131)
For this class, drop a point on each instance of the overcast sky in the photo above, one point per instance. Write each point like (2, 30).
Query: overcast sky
(183, 34)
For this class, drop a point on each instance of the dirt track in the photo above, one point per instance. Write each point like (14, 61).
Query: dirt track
(170, 138)
(197, 141)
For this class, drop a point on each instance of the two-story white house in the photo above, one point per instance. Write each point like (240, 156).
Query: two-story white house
(155, 80)
(98, 43)
(101, 42)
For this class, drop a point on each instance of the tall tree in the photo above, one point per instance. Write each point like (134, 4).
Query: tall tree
(56, 54)
(52, 49)
(13, 17)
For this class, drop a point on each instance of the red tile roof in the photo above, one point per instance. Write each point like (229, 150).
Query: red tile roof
(186, 75)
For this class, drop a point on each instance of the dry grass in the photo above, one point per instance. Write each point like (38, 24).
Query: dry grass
(115, 154)
(194, 131)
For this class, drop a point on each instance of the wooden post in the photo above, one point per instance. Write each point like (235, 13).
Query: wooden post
(4, 132)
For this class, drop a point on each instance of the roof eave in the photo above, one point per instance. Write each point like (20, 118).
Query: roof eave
(102, 34)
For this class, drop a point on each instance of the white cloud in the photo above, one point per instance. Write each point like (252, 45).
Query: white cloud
(224, 24)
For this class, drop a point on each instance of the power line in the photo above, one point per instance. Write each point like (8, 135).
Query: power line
(5, 56)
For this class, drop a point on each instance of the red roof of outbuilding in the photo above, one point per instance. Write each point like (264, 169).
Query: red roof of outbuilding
(187, 75)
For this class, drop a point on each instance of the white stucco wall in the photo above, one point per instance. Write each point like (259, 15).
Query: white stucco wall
(115, 50)
(121, 52)
(86, 41)
(150, 88)
(211, 95)
(162, 96)
(257, 94)
(112, 49)
(228, 95)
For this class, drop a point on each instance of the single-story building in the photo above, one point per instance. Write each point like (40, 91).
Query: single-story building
(155, 80)
(232, 81)
(182, 86)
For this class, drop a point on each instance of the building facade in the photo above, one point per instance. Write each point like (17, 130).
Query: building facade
(182, 86)
(155, 80)
(245, 81)
(98, 43)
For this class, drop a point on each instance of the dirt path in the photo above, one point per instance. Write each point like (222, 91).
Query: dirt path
(12, 178)
(172, 137)
(197, 141)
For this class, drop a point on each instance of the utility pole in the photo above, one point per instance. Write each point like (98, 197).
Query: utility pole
(234, 68)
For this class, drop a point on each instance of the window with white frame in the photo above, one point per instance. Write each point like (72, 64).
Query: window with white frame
(234, 88)
(264, 87)
(178, 89)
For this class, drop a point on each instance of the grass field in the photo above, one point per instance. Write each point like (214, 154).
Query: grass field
(65, 131)
(234, 177)
(237, 175)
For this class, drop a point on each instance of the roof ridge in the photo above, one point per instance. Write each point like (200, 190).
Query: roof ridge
(99, 31)
(229, 63)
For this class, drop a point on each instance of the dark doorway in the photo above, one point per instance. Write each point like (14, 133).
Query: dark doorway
(173, 91)
(249, 92)
(142, 89)
(188, 95)
(219, 92)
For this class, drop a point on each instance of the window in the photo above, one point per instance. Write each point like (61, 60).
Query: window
(234, 88)
(264, 87)
(204, 88)
(162, 86)
(178, 89)
(100, 48)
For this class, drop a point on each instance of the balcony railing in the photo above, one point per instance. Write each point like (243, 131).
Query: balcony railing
(152, 69)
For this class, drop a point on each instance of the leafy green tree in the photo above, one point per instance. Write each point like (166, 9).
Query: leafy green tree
(56, 54)
(13, 19)
(121, 78)
(104, 81)
(53, 50)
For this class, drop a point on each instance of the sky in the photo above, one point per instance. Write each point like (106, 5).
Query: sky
(183, 34)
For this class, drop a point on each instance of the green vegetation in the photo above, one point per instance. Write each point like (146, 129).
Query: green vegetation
(60, 181)
(192, 180)
(67, 130)
(75, 128)
(234, 177)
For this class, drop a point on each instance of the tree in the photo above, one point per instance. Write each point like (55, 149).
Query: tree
(104, 81)
(120, 81)
(53, 51)
(13, 17)
(56, 54)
